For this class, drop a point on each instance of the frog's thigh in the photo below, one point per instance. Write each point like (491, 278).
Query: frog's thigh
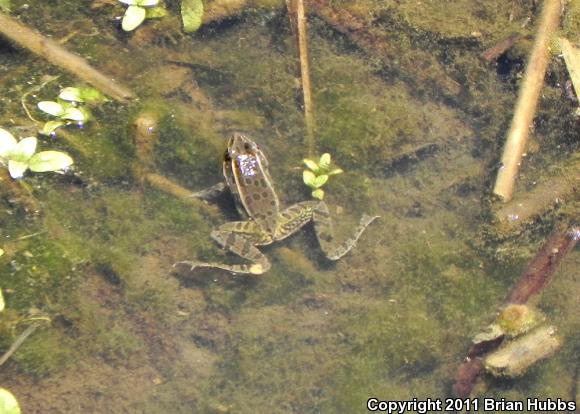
(243, 246)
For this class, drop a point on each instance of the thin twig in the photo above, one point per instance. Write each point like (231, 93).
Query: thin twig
(59, 56)
(527, 101)
(18, 342)
(34, 89)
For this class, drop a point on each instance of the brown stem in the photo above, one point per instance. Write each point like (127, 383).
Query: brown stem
(59, 56)
(527, 101)
(534, 279)
(305, 75)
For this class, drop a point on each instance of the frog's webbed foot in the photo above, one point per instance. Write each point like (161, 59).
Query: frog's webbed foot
(325, 233)
(239, 244)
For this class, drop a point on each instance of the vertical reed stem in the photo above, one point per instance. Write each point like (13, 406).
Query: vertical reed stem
(527, 101)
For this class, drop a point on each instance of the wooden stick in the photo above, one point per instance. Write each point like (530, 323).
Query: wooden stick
(527, 101)
(305, 75)
(537, 276)
(59, 56)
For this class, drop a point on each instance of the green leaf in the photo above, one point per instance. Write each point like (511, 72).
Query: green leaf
(129, 2)
(8, 403)
(24, 149)
(308, 177)
(318, 193)
(50, 161)
(51, 126)
(71, 94)
(335, 171)
(7, 143)
(17, 168)
(311, 164)
(74, 114)
(191, 14)
(319, 181)
(134, 16)
(51, 107)
(324, 161)
(2, 304)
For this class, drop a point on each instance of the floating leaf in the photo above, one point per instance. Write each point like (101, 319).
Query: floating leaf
(74, 114)
(51, 126)
(17, 168)
(2, 304)
(319, 181)
(308, 177)
(49, 161)
(24, 149)
(51, 107)
(71, 94)
(7, 143)
(134, 16)
(318, 193)
(8, 403)
(311, 164)
(335, 171)
(191, 14)
(324, 162)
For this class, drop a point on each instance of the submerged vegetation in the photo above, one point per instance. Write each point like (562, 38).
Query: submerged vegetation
(402, 101)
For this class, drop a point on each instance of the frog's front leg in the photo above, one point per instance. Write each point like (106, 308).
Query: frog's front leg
(211, 192)
(325, 233)
(238, 237)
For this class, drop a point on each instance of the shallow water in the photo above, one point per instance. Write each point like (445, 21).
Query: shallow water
(417, 122)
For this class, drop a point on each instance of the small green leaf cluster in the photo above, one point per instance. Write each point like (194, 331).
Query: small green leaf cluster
(191, 14)
(69, 108)
(20, 156)
(8, 402)
(318, 173)
(138, 11)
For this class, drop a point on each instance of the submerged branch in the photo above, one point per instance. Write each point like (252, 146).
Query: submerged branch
(535, 278)
(527, 101)
(59, 56)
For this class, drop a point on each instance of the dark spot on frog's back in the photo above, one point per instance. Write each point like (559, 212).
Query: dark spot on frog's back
(263, 183)
(256, 196)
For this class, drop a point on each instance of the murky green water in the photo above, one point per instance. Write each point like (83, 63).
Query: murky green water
(410, 112)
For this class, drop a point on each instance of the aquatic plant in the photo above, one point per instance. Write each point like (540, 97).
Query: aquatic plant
(191, 14)
(318, 173)
(138, 11)
(8, 402)
(69, 107)
(20, 156)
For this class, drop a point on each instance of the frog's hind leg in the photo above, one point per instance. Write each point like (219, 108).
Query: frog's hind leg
(239, 238)
(325, 233)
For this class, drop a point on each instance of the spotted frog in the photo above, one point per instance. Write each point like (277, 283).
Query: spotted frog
(245, 169)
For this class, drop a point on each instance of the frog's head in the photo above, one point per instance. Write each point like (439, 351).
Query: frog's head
(241, 150)
(240, 144)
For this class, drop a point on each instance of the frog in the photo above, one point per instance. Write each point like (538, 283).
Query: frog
(247, 176)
